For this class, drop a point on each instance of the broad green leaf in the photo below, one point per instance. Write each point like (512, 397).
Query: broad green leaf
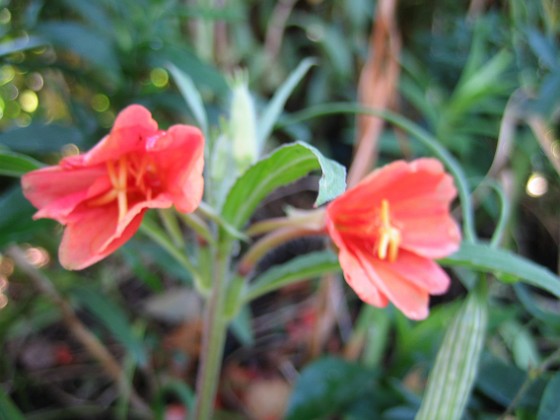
(8, 410)
(114, 319)
(191, 96)
(549, 407)
(15, 164)
(274, 108)
(283, 166)
(300, 268)
(328, 387)
(506, 265)
(41, 138)
(451, 379)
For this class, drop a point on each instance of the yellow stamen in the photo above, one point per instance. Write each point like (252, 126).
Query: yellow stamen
(389, 236)
(121, 189)
(103, 199)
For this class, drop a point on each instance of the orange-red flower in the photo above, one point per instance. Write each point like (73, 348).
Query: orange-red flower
(102, 195)
(389, 228)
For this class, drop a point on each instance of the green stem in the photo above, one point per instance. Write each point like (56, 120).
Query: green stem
(150, 229)
(416, 131)
(214, 335)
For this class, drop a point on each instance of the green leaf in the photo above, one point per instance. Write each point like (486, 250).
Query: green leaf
(283, 166)
(549, 407)
(114, 319)
(538, 310)
(327, 387)
(501, 382)
(20, 44)
(452, 377)
(191, 96)
(506, 265)
(41, 138)
(201, 73)
(85, 42)
(16, 223)
(8, 410)
(15, 164)
(304, 267)
(274, 108)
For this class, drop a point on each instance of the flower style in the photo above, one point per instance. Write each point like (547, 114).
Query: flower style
(102, 195)
(390, 227)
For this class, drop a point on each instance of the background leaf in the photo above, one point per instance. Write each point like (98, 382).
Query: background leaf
(507, 266)
(328, 386)
(113, 318)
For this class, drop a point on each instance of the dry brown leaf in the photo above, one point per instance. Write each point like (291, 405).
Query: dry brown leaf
(377, 87)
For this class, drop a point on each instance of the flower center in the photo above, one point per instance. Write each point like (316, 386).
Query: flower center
(387, 244)
(119, 172)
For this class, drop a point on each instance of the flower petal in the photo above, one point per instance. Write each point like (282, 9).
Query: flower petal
(355, 274)
(56, 191)
(85, 239)
(420, 271)
(132, 127)
(178, 155)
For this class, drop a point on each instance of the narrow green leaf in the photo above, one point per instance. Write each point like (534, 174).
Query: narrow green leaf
(114, 319)
(506, 265)
(283, 166)
(537, 309)
(20, 44)
(306, 266)
(549, 407)
(191, 96)
(41, 138)
(15, 164)
(8, 410)
(452, 377)
(274, 108)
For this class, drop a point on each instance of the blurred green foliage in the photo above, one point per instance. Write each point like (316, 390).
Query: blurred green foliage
(67, 67)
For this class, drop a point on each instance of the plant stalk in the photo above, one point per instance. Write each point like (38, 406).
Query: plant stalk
(214, 334)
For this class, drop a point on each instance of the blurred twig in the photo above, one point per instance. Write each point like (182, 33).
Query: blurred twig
(377, 87)
(77, 328)
(545, 137)
(276, 27)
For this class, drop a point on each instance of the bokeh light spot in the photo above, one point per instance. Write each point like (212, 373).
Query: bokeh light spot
(100, 102)
(3, 300)
(537, 185)
(37, 256)
(29, 101)
(556, 149)
(70, 150)
(35, 81)
(159, 77)
(7, 74)
(5, 16)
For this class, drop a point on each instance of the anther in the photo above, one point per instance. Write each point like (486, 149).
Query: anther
(389, 236)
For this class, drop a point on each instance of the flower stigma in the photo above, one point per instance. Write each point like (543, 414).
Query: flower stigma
(387, 244)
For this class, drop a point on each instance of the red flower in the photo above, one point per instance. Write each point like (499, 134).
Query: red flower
(389, 228)
(102, 195)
